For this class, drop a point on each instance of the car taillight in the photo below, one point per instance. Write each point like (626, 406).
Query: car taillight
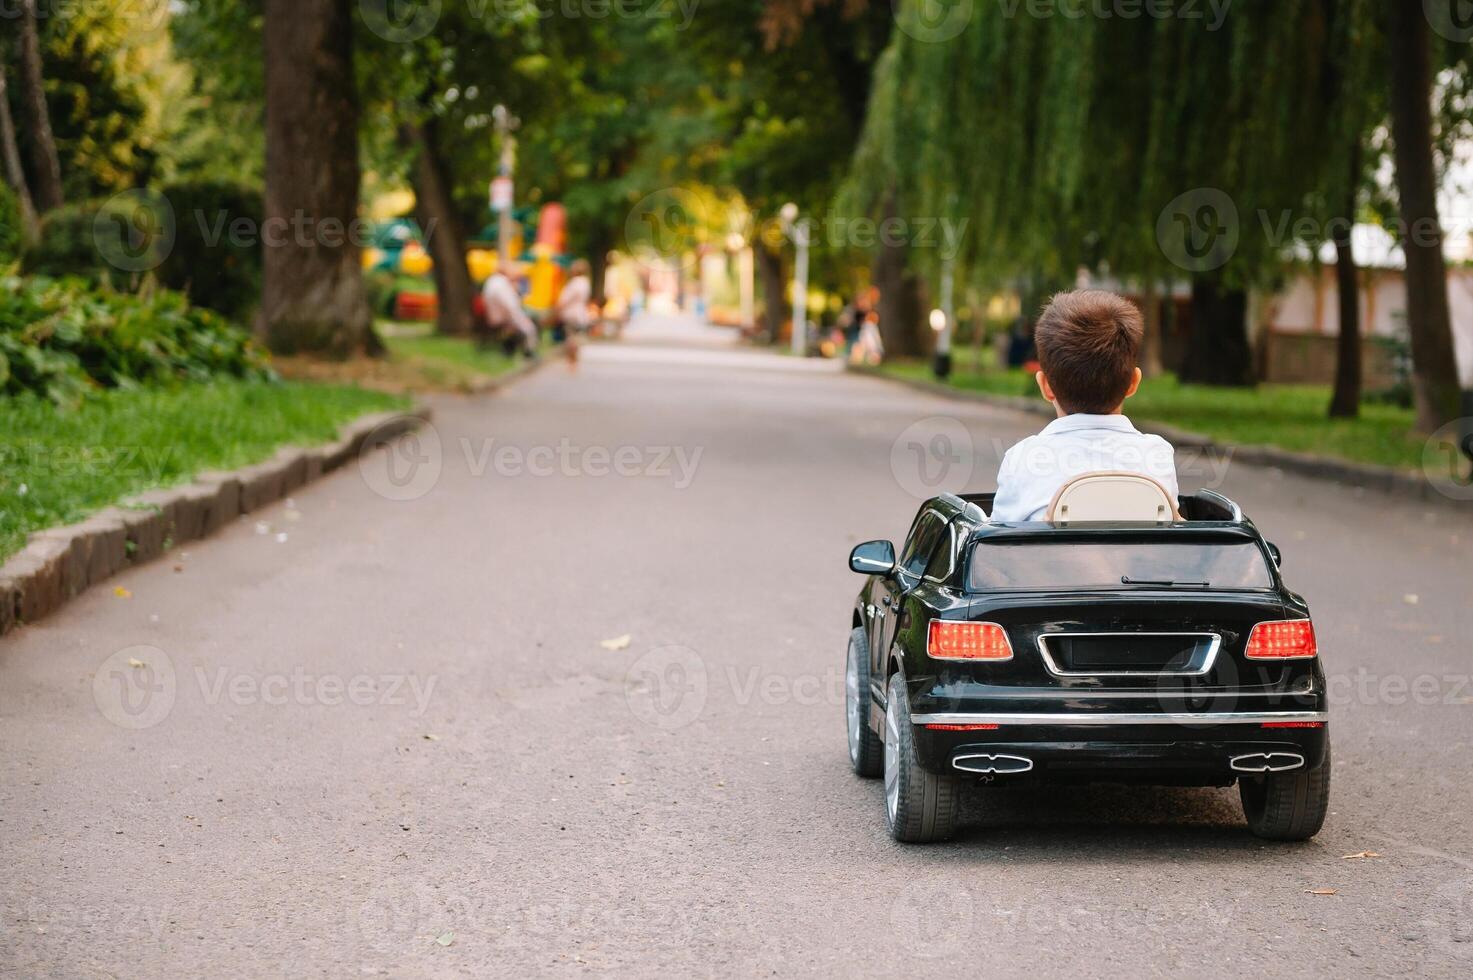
(1287, 639)
(967, 641)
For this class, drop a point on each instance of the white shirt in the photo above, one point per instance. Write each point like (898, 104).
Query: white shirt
(1034, 469)
(504, 306)
(572, 302)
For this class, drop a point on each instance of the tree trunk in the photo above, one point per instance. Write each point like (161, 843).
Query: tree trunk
(45, 166)
(770, 271)
(15, 174)
(312, 298)
(902, 299)
(1434, 365)
(1345, 402)
(1151, 317)
(600, 240)
(1217, 350)
(444, 237)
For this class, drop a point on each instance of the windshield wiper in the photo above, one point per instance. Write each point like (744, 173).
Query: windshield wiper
(1164, 582)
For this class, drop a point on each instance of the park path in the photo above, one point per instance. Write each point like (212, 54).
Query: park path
(407, 737)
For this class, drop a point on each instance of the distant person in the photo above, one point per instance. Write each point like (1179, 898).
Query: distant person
(573, 309)
(505, 315)
(1089, 342)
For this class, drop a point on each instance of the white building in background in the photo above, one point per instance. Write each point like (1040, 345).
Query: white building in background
(1295, 328)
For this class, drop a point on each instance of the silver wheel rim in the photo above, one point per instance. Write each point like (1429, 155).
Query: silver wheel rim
(851, 704)
(892, 758)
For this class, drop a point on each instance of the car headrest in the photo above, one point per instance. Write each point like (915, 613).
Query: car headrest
(1112, 496)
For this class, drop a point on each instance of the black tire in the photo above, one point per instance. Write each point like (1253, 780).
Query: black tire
(1287, 805)
(920, 806)
(866, 751)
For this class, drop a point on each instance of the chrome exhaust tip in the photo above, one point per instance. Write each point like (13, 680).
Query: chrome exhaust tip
(989, 764)
(1267, 762)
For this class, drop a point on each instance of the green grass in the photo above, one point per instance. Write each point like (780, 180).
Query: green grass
(450, 360)
(58, 466)
(1288, 416)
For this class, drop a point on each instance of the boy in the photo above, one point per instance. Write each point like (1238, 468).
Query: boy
(1088, 343)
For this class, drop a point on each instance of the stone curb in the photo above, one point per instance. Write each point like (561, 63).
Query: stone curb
(1382, 479)
(58, 563)
(491, 383)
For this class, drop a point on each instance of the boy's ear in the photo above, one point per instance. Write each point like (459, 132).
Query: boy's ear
(1043, 386)
(1135, 383)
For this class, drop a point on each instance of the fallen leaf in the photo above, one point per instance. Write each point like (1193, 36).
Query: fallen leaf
(1321, 891)
(445, 938)
(431, 738)
(616, 643)
(122, 593)
(1410, 599)
(178, 568)
(262, 527)
(281, 538)
(1360, 855)
(135, 662)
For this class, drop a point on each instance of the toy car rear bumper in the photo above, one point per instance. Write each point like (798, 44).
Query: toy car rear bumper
(1163, 748)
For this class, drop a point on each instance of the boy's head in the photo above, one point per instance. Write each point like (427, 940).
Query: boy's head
(1088, 344)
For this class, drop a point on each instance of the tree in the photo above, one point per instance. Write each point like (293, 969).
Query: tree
(45, 166)
(15, 174)
(313, 298)
(434, 210)
(1345, 399)
(1434, 364)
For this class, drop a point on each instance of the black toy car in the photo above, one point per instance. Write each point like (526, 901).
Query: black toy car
(1167, 654)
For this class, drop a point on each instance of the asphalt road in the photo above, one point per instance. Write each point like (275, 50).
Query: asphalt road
(393, 742)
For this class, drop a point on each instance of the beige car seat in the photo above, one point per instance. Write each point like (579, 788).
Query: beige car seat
(1112, 496)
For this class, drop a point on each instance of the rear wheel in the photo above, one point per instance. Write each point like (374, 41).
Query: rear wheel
(1287, 805)
(866, 751)
(920, 806)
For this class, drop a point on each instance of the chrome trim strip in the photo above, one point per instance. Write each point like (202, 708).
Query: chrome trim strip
(1117, 718)
(1053, 668)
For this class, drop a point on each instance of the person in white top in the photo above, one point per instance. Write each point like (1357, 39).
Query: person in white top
(504, 309)
(572, 310)
(572, 302)
(1088, 345)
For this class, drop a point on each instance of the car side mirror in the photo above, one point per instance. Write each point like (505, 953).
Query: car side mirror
(1274, 553)
(873, 558)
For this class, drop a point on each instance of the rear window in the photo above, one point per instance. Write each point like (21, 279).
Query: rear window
(1038, 564)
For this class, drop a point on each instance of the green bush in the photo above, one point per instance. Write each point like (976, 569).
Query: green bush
(61, 337)
(181, 235)
(213, 265)
(68, 246)
(11, 233)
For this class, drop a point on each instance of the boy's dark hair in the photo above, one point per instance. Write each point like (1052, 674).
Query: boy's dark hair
(1088, 344)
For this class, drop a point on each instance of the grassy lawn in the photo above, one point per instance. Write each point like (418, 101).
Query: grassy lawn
(1287, 416)
(56, 467)
(447, 362)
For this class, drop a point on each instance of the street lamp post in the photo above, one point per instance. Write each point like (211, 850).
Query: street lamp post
(505, 123)
(799, 232)
(942, 321)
